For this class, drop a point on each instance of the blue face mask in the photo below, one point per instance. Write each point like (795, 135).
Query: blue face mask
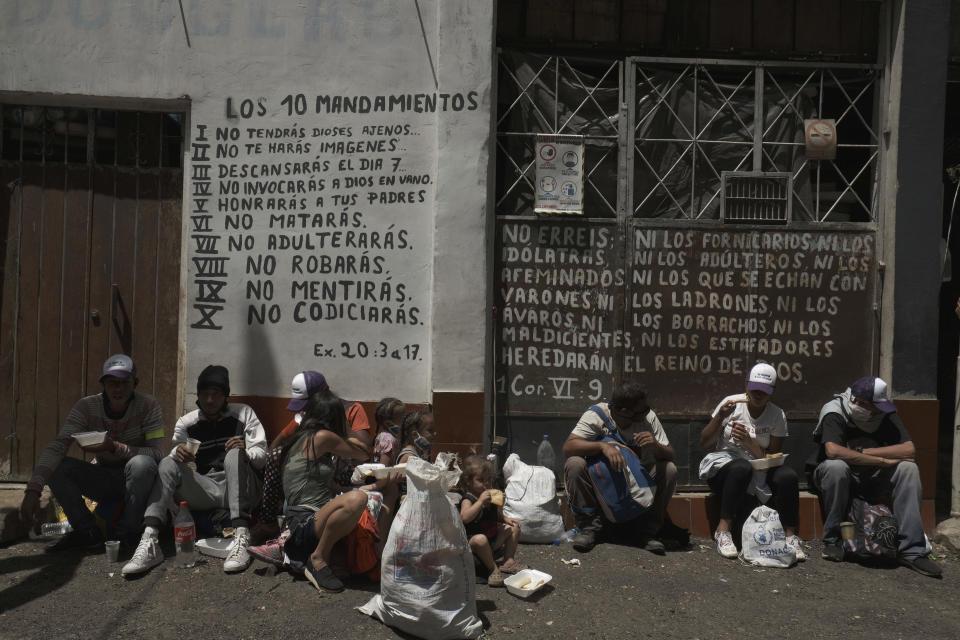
(422, 443)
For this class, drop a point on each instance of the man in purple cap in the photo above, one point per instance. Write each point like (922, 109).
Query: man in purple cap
(866, 452)
(126, 459)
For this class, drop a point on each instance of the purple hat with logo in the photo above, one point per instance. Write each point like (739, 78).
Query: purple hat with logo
(119, 366)
(873, 390)
(304, 385)
(762, 377)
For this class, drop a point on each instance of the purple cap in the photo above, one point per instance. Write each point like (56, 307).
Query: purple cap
(873, 390)
(762, 377)
(119, 366)
(304, 385)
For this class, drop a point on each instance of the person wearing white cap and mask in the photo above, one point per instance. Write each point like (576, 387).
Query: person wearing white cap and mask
(744, 427)
(866, 451)
(126, 459)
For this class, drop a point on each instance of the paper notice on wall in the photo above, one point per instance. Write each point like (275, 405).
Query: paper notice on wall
(559, 177)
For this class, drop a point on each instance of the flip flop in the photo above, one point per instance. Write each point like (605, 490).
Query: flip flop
(517, 567)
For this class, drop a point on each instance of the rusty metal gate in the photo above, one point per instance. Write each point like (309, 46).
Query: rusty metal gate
(654, 282)
(90, 204)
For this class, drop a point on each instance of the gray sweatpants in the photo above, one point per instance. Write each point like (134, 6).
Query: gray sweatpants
(838, 482)
(237, 488)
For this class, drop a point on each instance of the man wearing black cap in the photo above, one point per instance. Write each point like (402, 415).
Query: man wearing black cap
(126, 458)
(232, 450)
(866, 452)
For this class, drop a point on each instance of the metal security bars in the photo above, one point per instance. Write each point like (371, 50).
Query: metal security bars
(106, 137)
(558, 95)
(662, 131)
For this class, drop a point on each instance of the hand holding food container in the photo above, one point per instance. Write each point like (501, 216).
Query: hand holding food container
(94, 441)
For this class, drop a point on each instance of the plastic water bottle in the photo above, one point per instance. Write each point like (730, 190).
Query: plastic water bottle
(567, 537)
(545, 454)
(185, 536)
(55, 528)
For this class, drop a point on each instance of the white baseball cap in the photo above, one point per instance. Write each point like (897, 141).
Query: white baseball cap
(119, 366)
(762, 377)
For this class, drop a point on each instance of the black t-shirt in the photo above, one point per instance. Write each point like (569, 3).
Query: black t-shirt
(839, 430)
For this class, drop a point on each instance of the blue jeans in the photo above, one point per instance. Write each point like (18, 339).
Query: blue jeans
(131, 484)
(838, 482)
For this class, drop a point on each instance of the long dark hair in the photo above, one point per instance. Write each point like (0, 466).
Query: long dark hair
(324, 410)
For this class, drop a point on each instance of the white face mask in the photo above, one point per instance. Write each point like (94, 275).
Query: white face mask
(859, 414)
(865, 419)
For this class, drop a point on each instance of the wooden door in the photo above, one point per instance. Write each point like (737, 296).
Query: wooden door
(91, 267)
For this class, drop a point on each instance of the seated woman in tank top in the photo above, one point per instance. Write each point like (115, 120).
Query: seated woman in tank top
(316, 515)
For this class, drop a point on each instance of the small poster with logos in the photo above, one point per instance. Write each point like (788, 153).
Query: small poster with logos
(559, 177)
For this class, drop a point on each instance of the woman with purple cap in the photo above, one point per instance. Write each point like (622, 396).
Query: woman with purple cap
(744, 427)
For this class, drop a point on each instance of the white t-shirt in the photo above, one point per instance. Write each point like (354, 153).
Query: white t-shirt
(592, 427)
(772, 422)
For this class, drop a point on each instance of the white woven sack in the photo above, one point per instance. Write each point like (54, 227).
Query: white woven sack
(427, 585)
(764, 542)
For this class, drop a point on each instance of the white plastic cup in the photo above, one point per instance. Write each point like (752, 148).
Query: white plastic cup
(193, 445)
(113, 550)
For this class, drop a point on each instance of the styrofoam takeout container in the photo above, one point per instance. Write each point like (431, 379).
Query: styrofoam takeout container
(216, 547)
(89, 438)
(386, 471)
(768, 463)
(534, 575)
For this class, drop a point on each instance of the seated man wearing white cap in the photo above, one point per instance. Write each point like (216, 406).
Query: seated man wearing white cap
(744, 427)
(232, 449)
(126, 459)
(866, 452)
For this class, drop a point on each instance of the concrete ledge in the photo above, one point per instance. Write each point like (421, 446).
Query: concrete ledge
(699, 512)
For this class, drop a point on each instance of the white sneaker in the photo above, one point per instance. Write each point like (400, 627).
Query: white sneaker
(725, 544)
(147, 556)
(238, 559)
(795, 543)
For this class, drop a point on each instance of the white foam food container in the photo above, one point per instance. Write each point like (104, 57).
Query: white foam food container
(216, 547)
(386, 471)
(89, 438)
(768, 463)
(525, 583)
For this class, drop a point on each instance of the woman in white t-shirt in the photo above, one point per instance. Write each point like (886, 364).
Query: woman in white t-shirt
(744, 427)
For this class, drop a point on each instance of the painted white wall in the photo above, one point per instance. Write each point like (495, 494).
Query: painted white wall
(227, 57)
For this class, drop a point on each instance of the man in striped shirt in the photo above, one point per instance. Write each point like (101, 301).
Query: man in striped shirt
(125, 467)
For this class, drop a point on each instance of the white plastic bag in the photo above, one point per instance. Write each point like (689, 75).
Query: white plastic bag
(531, 500)
(764, 542)
(427, 585)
